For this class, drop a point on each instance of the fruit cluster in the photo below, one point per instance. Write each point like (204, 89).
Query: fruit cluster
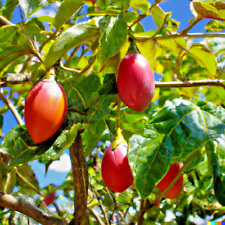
(136, 87)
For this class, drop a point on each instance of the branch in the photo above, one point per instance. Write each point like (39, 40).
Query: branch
(191, 83)
(22, 206)
(173, 36)
(5, 157)
(4, 21)
(80, 177)
(15, 78)
(12, 108)
(191, 25)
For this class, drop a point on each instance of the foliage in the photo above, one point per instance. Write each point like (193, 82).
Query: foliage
(84, 43)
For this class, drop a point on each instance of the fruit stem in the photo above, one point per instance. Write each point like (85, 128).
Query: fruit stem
(118, 112)
(119, 139)
(50, 75)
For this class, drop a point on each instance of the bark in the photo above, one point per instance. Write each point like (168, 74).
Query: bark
(80, 176)
(21, 205)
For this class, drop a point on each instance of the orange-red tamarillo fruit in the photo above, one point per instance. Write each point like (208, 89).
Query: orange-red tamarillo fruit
(45, 110)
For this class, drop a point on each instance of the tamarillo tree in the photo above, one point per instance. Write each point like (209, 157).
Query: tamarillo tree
(82, 46)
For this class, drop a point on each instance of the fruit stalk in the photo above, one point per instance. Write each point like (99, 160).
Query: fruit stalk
(80, 177)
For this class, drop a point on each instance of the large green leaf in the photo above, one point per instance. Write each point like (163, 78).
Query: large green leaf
(204, 56)
(72, 37)
(19, 144)
(114, 35)
(66, 10)
(177, 131)
(149, 157)
(30, 6)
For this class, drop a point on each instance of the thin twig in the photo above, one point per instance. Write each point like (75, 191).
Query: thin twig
(191, 25)
(27, 182)
(77, 111)
(191, 83)
(97, 217)
(56, 31)
(101, 206)
(12, 108)
(69, 69)
(58, 210)
(21, 205)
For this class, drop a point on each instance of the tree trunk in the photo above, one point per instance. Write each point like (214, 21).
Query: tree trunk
(80, 176)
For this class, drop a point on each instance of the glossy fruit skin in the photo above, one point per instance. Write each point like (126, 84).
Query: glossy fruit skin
(116, 172)
(175, 190)
(45, 110)
(135, 82)
(49, 199)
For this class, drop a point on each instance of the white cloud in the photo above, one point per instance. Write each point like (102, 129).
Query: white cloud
(62, 165)
(45, 12)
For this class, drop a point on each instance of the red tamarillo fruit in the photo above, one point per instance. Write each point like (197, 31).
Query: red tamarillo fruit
(135, 82)
(116, 172)
(175, 190)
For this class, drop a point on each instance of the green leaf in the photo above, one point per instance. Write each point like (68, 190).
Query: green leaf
(149, 157)
(66, 10)
(158, 15)
(9, 7)
(215, 25)
(195, 124)
(9, 53)
(11, 181)
(30, 6)
(218, 177)
(214, 10)
(6, 32)
(114, 35)
(143, 5)
(3, 175)
(175, 45)
(92, 135)
(28, 175)
(17, 142)
(63, 142)
(109, 85)
(72, 37)
(204, 56)
(153, 149)
(148, 50)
